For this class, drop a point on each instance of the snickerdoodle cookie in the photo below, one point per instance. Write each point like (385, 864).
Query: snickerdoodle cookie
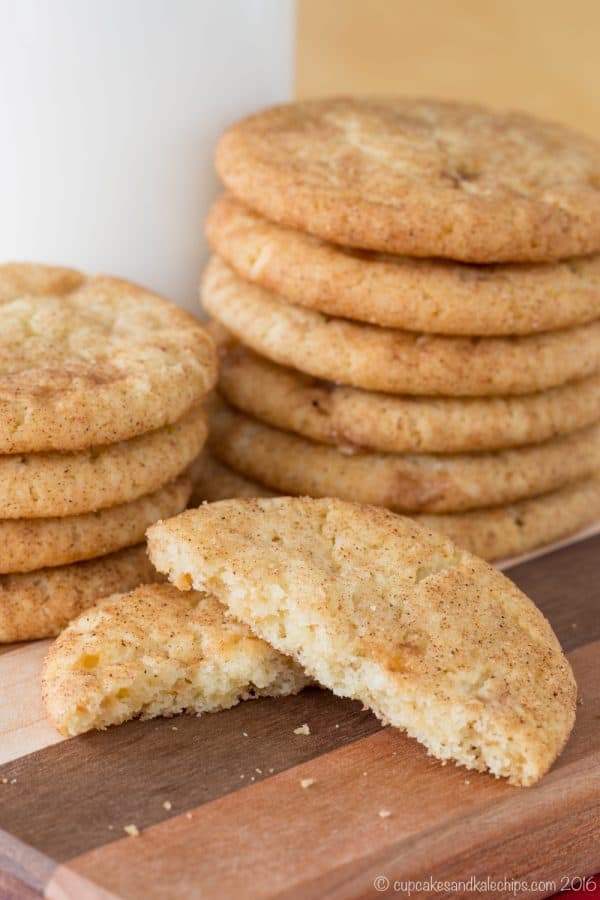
(375, 607)
(393, 361)
(90, 360)
(406, 482)
(431, 295)
(29, 544)
(43, 485)
(419, 177)
(40, 604)
(157, 652)
(494, 533)
(350, 417)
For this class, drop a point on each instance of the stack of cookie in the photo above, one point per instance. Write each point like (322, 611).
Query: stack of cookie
(101, 389)
(408, 301)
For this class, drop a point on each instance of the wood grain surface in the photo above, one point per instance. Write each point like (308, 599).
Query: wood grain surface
(222, 813)
(443, 821)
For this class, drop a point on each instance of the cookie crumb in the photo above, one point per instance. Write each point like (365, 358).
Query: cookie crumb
(258, 770)
(306, 782)
(467, 781)
(384, 813)
(167, 805)
(173, 727)
(245, 733)
(132, 830)
(271, 769)
(302, 729)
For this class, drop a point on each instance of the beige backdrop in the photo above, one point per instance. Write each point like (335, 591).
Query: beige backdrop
(540, 55)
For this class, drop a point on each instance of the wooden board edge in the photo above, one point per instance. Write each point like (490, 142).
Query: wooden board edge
(23, 865)
(505, 865)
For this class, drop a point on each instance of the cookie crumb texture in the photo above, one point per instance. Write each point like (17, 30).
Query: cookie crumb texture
(157, 652)
(454, 653)
(419, 177)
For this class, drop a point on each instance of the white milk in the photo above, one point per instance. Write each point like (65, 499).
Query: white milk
(110, 111)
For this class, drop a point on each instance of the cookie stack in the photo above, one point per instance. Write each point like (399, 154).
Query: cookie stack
(101, 389)
(408, 298)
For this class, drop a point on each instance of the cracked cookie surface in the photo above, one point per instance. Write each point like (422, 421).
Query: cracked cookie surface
(419, 177)
(90, 360)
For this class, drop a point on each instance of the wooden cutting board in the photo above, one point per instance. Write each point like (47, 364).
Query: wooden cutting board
(222, 812)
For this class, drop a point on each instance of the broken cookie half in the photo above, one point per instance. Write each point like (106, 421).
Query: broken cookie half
(157, 652)
(434, 640)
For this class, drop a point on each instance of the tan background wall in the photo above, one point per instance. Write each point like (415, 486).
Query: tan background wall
(540, 55)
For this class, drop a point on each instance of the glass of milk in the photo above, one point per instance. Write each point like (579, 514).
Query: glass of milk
(110, 114)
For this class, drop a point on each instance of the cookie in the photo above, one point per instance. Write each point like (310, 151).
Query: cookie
(29, 544)
(91, 360)
(430, 295)
(419, 177)
(504, 531)
(157, 652)
(43, 485)
(393, 361)
(349, 417)
(40, 604)
(401, 482)
(375, 607)
(493, 533)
